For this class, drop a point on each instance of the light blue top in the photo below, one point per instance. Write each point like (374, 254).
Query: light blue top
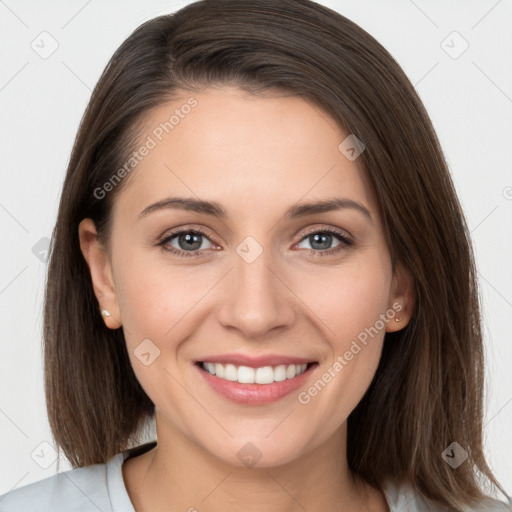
(101, 488)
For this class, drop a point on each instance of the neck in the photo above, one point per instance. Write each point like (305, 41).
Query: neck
(178, 475)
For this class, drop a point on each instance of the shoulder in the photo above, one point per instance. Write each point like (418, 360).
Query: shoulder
(81, 489)
(402, 497)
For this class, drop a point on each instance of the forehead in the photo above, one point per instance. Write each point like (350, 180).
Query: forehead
(252, 153)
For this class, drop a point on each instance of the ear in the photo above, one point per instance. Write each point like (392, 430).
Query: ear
(401, 298)
(98, 261)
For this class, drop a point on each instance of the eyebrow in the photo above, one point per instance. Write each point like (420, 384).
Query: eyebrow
(216, 210)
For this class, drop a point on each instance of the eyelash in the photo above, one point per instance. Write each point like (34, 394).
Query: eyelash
(346, 242)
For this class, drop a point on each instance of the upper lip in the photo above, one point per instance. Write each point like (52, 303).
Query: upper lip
(254, 361)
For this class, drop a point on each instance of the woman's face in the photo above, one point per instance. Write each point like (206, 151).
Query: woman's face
(262, 280)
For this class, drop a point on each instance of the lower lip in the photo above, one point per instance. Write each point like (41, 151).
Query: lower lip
(254, 394)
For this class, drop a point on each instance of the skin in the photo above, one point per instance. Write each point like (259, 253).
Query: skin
(256, 155)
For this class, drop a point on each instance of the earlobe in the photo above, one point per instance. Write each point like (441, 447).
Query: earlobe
(401, 299)
(98, 261)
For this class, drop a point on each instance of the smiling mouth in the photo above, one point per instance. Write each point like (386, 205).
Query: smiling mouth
(249, 375)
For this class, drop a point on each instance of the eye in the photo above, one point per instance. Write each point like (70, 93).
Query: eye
(190, 242)
(321, 240)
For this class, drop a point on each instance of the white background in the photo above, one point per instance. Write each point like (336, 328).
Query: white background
(42, 100)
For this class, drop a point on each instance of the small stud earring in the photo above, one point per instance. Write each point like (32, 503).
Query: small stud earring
(397, 319)
(104, 313)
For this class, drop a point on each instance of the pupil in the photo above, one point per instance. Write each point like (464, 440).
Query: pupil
(326, 237)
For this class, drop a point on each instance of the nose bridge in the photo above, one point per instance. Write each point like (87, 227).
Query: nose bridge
(256, 301)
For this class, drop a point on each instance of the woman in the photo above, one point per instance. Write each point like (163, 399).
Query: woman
(281, 376)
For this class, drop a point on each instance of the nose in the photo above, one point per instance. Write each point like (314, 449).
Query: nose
(256, 298)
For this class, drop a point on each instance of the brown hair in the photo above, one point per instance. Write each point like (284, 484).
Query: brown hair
(427, 391)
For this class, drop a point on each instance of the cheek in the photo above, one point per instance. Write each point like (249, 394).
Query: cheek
(154, 298)
(352, 304)
(349, 299)
(157, 305)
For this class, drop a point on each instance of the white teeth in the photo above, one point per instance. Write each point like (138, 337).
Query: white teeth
(280, 373)
(230, 372)
(219, 370)
(264, 375)
(248, 375)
